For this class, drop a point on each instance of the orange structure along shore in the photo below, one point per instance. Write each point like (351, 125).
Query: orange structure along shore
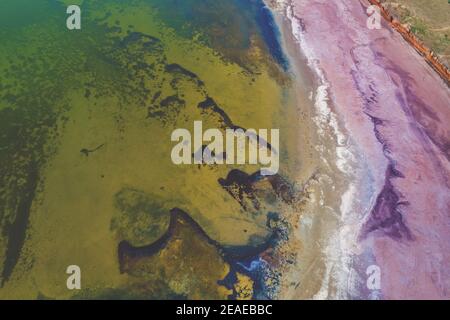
(428, 54)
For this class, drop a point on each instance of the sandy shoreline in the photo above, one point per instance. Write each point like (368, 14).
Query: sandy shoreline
(320, 229)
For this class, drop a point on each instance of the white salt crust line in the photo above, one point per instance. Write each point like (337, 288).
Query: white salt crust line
(341, 245)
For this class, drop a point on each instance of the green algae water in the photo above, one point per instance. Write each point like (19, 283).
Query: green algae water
(86, 177)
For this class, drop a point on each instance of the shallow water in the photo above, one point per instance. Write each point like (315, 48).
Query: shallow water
(86, 118)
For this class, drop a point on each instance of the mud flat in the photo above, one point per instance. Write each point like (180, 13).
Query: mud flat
(382, 113)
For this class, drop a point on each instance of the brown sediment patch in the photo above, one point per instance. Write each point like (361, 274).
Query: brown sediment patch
(184, 260)
(427, 53)
(241, 185)
(282, 188)
(210, 105)
(129, 256)
(189, 263)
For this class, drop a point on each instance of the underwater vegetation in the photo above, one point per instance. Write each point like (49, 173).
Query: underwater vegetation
(85, 170)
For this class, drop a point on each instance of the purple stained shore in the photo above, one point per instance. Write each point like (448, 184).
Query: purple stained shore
(396, 111)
